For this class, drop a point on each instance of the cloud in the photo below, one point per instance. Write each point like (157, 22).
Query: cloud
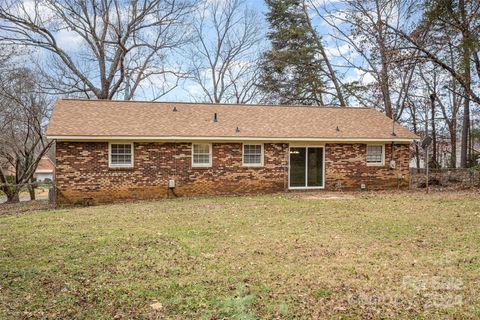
(69, 40)
(335, 51)
(361, 76)
(34, 9)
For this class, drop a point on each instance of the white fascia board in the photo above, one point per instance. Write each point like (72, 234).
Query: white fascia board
(221, 139)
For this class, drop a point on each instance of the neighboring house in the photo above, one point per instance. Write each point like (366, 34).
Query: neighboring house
(6, 167)
(108, 150)
(444, 154)
(45, 170)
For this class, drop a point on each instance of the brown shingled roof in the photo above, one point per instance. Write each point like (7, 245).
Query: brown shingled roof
(102, 118)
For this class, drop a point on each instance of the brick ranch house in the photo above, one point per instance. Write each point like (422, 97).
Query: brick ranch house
(110, 150)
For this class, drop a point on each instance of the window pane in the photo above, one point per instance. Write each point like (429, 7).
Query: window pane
(121, 154)
(201, 154)
(374, 154)
(252, 153)
(252, 159)
(297, 167)
(201, 159)
(201, 148)
(252, 149)
(315, 167)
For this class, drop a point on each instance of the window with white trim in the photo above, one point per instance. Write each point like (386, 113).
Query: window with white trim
(121, 155)
(375, 154)
(252, 154)
(201, 155)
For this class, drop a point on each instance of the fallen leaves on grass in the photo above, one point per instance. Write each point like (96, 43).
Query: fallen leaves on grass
(244, 258)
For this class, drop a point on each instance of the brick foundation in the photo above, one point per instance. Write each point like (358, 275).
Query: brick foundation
(83, 174)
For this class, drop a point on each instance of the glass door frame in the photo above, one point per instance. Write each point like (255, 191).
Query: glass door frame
(322, 146)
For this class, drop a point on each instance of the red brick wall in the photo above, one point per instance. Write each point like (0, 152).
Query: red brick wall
(346, 167)
(83, 172)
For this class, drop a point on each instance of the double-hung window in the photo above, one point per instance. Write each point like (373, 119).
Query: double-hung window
(121, 155)
(375, 154)
(252, 154)
(201, 155)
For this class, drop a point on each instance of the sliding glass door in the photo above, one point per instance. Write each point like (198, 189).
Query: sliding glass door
(306, 167)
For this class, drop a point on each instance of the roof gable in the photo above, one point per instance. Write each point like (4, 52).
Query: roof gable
(45, 165)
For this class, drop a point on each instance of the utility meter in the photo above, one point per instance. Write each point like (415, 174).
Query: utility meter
(393, 164)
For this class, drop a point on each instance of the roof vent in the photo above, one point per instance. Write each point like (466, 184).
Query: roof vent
(338, 129)
(174, 109)
(237, 130)
(215, 118)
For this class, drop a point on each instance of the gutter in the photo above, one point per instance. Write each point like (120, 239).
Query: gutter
(221, 139)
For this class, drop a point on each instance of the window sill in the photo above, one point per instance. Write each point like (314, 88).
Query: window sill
(375, 164)
(121, 168)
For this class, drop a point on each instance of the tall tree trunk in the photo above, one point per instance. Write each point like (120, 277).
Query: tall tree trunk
(415, 130)
(12, 195)
(476, 59)
(467, 79)
(31, 189)
(385, 89)
(465, 133)
(470, 146)
(453, 143)
(331, 72)
(434, 133)
(384, 61)
(333, 77)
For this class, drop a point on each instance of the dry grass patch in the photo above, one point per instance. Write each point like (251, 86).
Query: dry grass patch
(23, 207)
(376, 256)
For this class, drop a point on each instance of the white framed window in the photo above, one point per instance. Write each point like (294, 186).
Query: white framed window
(376, 154)
(201, 155)
(120, 154)
(252, 155)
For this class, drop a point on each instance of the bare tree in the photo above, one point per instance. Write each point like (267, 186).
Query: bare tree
(23, 113)
(118, 46)
(225, 53)
(330, 72)
(447, 23)
(360, 25)
(447, 97)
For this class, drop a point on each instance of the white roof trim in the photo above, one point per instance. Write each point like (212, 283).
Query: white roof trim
(44, 171)
(199, 138)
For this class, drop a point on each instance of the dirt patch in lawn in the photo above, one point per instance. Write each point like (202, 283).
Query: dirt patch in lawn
(24, 207)
(322, 195)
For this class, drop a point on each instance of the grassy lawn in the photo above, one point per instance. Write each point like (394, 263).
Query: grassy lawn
(403, 255)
